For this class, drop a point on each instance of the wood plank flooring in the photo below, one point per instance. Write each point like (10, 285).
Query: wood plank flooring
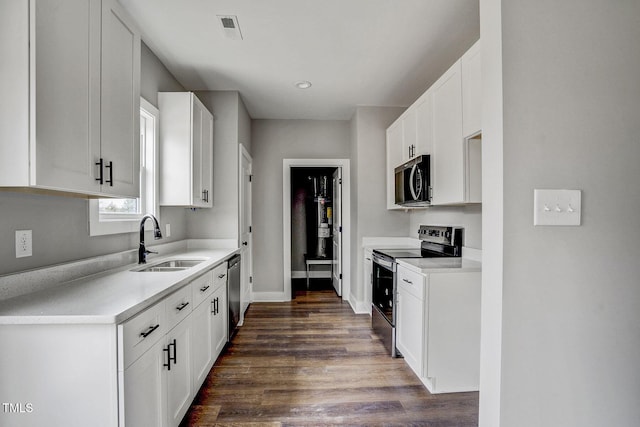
(312, 362)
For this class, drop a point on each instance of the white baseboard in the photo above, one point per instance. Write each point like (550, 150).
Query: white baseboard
(315, 274)
(268, 297)
(359, 307)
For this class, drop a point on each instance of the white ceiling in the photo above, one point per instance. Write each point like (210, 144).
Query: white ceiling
(355, 52)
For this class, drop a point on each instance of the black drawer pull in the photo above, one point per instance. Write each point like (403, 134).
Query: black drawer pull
(204, 288)
(407, 281)
(149, 331)
(182, 306)
(220, 276)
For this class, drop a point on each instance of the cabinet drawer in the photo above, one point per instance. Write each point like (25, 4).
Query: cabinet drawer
(220, 275)
(411, 282)
(178, 306)
(202, 287)
(141, 332)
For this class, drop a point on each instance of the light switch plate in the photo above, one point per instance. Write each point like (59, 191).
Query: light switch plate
(557, 207)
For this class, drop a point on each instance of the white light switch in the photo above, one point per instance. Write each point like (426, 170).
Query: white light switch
(556, 207)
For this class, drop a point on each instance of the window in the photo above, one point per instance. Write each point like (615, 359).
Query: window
(113, 216)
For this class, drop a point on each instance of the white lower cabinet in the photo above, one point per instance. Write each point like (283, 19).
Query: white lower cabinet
(438, 328)
(178, 376)
(219, 320)
(145, 395)
(163, 372)
(410, 310)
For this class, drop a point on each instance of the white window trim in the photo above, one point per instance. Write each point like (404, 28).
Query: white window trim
(130, 223)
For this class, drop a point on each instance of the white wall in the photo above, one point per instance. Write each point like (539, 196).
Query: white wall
(272, 141)
(571, 301)
(60, 224)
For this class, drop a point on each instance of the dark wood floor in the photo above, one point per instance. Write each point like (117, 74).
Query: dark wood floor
(313, 362)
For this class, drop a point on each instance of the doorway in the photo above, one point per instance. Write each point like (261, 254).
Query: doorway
(313, 208)
(316, 213)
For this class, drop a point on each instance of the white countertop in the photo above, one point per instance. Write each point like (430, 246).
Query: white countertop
(440, 265)
(110, 297)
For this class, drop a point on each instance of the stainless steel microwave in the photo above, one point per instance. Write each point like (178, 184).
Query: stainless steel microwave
(413, 182)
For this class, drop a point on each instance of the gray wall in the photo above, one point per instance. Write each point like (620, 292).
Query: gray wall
(232, 126)
(571, 297)
(60, 224)
(370, 217)
(272, 141)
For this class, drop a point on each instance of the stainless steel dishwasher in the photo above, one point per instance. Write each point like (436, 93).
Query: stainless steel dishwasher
(233, 293)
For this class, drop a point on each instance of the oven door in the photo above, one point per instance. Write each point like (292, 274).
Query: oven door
(383, 315)
(383, 292)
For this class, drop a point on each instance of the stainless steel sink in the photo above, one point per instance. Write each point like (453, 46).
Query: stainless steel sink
(170, 265)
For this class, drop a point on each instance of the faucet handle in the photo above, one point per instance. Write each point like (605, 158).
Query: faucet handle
(147, 251)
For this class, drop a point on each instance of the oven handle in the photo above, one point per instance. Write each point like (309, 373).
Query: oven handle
(382, 262)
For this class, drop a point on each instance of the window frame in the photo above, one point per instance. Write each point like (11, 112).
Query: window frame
(99, 224)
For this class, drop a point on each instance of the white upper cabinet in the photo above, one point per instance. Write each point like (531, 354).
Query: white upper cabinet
(424, 124)
(120, 100)
(186, 155)
(471, 91)
(70, 83)
(409, 134)
(446, 123)
(447, 162)
(394, 158)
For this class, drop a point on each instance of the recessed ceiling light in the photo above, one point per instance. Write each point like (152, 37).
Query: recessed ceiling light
(303, 84)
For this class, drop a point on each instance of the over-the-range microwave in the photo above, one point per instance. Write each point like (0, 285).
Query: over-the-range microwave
(413, 182)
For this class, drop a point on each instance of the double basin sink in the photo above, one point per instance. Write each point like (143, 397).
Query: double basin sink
(177, 264)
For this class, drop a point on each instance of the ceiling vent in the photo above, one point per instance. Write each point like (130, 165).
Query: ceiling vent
(230, 26)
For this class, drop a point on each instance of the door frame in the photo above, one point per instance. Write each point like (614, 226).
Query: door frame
(287, 164)
(246, 272)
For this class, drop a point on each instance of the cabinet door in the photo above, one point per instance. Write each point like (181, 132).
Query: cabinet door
(410, 321)
(179, 375)
(219, 320)
(197, 195)
(144, 394)
(66, 89)
(120, 102)
(202, 343)
(409, 329)
(206, 168)
(394, 158)
(471, 63)
(409, 125)
(448, 162)
(424, 125)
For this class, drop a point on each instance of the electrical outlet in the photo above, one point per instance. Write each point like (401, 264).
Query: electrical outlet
(168, 228)
(24, 246)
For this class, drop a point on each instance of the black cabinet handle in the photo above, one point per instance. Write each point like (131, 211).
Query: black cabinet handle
(182, 306)
(204, 288)
(220, 276)
(168, 363)
(149, 331)
(100, 176)
(205, 196)
(110, 180)
(244, 243)
(175, 352)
